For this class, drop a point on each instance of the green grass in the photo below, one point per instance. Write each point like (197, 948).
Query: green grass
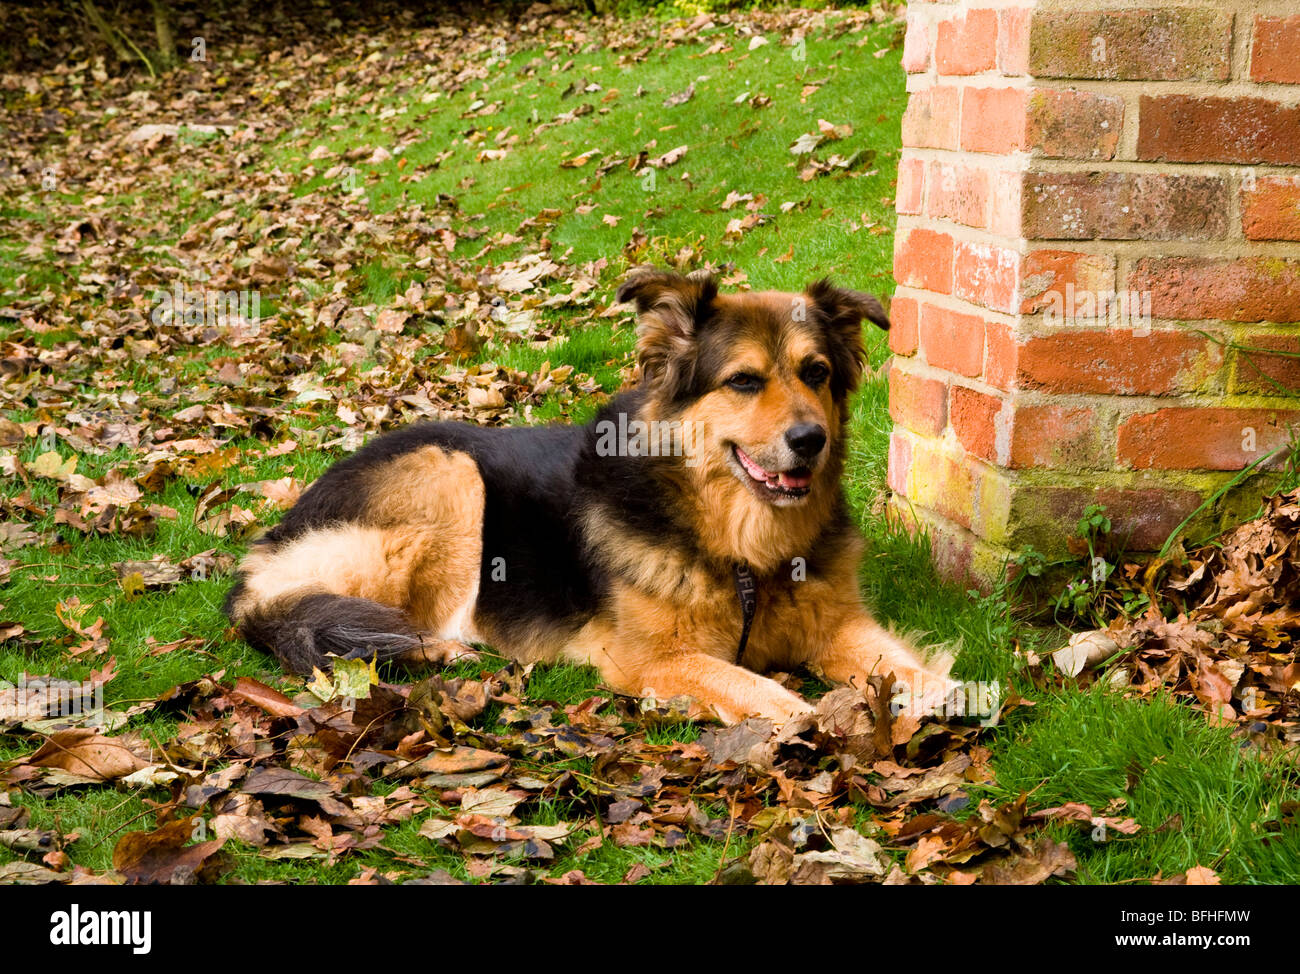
(1198, 795)
(732, 147)
(1072, 746)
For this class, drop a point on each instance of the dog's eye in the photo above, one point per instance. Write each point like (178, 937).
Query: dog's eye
(745, 382)
(815, 374)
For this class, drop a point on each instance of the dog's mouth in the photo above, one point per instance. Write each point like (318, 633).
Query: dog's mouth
(773, 485)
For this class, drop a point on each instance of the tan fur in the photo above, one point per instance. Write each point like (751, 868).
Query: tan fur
(664, 650)
(665, 572)
(687, 645)
(437, 497)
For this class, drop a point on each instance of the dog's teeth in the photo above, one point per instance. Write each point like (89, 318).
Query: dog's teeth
(792, 481)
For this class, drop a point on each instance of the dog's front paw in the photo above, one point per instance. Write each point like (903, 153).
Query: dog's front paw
(922, 693)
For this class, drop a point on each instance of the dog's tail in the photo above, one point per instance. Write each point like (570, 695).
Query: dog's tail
(307, 599)
(305, 629)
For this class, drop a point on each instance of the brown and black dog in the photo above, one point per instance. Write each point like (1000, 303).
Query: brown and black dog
(690, 537)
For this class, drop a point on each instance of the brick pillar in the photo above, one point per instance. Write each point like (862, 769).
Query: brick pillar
(1084, 190)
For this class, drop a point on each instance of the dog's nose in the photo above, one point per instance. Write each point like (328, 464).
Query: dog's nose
(806, 440)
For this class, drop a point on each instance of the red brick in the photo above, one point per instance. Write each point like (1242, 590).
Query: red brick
(1187, 438)
(1001, 355)
(1045, 273)
(1073, 124)
(968, 43)
(1187, 128)
(1275, 53)
(1226, 289)
(900, 461)
(1061, 437)
(1141, 519)
(1112, 362)
(952, 341)
(986, 275)
(911, 182)
(1270, 208)
(917, 402)
(933, 117)
(958, 193)
(916, 45)
(1179, 44)
(993, 120)
(1074, 307)
(923, 258)
(1013, 40)
(903, 331)
(1124, 206)
(974, 418)
(1005, 202)
(1260, 372)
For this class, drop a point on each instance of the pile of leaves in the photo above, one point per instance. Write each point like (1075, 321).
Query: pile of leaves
(853, 794)
(1220, 630)
(92, 164)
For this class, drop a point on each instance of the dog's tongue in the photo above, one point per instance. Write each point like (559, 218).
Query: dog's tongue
(753, 469)
(787, 479)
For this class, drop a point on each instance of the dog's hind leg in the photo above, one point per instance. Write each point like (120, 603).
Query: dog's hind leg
(401, 585)
(305, 631)
(340, 593)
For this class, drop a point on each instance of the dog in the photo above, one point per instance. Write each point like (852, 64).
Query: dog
(690, 537)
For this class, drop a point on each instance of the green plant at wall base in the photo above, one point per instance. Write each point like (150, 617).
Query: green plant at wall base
(1092, 592)
(1094, 522)
(1031, 562)
(1289, 474)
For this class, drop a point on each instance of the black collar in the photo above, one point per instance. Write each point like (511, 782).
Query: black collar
(747, 593)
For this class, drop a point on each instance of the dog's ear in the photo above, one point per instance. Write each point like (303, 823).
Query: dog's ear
(671, 310)
(842, 312)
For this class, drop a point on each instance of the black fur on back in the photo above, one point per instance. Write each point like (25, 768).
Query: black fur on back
(512, 458)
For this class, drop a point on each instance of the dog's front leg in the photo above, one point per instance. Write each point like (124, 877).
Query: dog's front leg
(730, 691)
(861, 648)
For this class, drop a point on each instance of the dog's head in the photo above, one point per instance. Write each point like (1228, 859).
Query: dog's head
(763, 376)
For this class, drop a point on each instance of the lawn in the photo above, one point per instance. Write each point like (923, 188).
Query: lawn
(435, 220)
